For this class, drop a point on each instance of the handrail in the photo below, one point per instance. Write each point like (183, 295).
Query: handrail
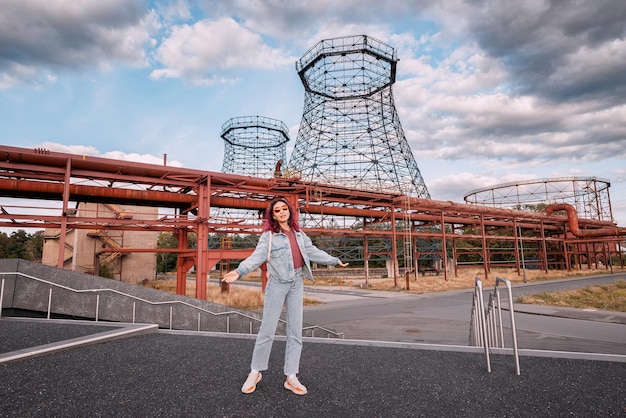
(486, 326)
(136, 298)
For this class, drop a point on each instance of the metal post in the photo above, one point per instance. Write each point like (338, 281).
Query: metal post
(444, 250)
(521, 245)
(474, 334)
(483, 327)
(49, 302)
(501, 328)
(494, 323)
(366, 255)
(513, 327)
(607, 249)
(1, 297)
(394, 248)
(97, 305)
(486, 256)
(66, 198)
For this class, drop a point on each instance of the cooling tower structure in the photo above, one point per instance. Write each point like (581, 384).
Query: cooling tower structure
(253, 146)
(350, 133)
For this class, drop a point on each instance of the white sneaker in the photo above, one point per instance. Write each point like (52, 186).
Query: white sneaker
(294, 385)
(249, 385)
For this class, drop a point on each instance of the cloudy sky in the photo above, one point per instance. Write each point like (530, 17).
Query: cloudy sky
(488, 91)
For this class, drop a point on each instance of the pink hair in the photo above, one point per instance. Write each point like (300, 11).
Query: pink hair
(270, 223)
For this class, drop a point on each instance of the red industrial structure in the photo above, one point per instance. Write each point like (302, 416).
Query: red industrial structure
(462, 231)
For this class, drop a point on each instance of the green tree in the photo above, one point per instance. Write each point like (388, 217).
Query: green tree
(4, 242)
(22, 245)
(16, 243)
(33, 249)
(166, 261)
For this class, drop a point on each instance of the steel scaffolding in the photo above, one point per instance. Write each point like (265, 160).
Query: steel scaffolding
(253, 145)
(589, 195)
(477, 235)
(350, 134)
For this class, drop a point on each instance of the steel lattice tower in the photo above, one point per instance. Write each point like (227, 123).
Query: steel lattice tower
(350, 133)
(253, 145)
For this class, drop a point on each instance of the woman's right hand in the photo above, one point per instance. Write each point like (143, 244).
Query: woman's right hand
(231, 276)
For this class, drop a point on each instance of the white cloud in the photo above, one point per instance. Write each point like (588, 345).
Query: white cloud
(454, 185)
(491, 87)
(115, 155)
(68, 36)
(591, 65)
(203, 52)
(459, 114)
(174, 10)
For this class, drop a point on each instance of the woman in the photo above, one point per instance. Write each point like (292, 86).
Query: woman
(289, 253)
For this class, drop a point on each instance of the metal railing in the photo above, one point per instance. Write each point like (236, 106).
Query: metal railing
(135, 299)
(486, 325)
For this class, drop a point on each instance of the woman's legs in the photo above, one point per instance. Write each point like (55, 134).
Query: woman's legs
(293, 304)
(275, 294)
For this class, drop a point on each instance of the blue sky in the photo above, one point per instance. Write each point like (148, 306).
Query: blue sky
(488, 91)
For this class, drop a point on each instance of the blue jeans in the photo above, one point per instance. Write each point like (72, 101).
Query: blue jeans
(277, 293)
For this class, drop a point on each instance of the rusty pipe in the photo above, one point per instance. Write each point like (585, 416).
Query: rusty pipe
(54, 191)
(572, 223)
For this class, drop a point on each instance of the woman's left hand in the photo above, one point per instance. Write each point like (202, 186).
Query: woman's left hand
(231, 276)
(342, 264)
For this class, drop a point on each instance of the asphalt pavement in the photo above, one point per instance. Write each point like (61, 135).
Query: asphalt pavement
(444, 318)
(402, 356)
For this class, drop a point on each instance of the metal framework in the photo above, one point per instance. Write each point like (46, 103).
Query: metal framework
(589, 195)
(253, 145)
(350, 134)
(480, 234)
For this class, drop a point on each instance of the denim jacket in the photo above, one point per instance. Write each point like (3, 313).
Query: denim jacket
(280, 265)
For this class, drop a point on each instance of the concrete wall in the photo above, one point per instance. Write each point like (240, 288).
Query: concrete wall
(82, 247)
(27, 294)
(76, 294)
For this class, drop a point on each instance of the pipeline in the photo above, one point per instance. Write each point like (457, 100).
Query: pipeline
(572, 223)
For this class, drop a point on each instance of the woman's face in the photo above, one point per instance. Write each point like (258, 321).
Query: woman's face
(280, 212)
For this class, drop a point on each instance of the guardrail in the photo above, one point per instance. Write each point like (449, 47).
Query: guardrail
(486, 325)
(136, 299)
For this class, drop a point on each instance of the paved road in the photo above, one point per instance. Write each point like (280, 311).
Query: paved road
(444, 318)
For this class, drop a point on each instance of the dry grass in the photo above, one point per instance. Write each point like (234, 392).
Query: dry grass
(251, 298)
(609, 297)
(464, 280)
(242, 297)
